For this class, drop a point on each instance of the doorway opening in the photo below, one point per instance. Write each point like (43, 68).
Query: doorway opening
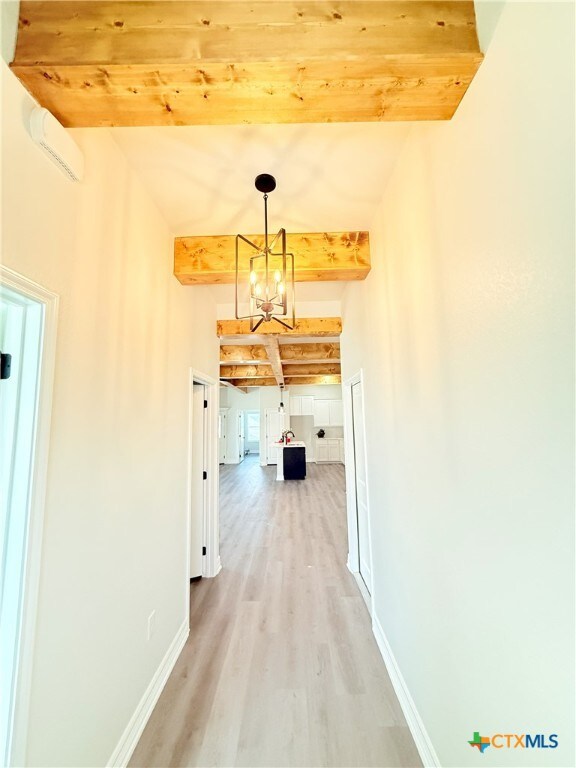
(252, 433)
(28, 315)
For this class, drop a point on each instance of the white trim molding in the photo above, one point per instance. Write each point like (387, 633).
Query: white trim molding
(39, 471)
(415, 724)
(129, 739)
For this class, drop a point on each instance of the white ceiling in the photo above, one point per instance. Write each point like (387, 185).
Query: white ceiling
(330, 177)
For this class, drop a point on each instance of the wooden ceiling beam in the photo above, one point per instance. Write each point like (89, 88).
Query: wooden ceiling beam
(245, 371)
(305, 380)
(309, 353)
(237, 354)
(311, 369)
(210, 260)
(247, 383)
(193, 62)
(305, 326)
(289, 382)
(273, 350)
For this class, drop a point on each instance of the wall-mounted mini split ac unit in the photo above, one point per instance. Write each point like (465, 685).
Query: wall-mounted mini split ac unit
(57, 143)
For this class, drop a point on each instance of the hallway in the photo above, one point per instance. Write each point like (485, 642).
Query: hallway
(281, 667)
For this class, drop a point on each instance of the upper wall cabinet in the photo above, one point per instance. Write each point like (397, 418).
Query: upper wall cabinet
(302, 406)
(328, 413)
(336, 413)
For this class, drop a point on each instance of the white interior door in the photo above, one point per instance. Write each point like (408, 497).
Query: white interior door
(365, 564)
(274, 429)
(198, 484)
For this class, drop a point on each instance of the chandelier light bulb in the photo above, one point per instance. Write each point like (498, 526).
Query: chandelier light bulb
(253, 277)
(281, 289)
(277, 276)
(258, 289)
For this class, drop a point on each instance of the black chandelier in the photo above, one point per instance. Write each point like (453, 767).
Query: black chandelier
(265, 273)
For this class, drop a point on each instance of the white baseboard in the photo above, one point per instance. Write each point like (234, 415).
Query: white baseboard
(131, 735)
(413, 719)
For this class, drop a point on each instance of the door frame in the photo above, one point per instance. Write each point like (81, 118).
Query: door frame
(211, 564)
(353, 561)
(37, 501)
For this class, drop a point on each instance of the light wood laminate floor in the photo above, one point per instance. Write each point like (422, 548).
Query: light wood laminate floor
(281, 667)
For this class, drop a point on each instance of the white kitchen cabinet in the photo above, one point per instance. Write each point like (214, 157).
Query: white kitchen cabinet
(342, 452)
(321, 413)
(333, 449)
(301, 406)
(328, 413)
(321, 450)
(336, 413)
(329, 450)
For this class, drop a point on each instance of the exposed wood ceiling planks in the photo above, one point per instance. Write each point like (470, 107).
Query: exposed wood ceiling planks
(238, 354)
(312, 369)
(297, 382)
(291, 382)
(183, 62)
(249, 365)
(210, 260)
(309, 352)
(245, 371)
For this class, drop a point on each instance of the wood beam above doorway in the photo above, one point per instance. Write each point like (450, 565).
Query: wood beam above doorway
(107, 63)
(305, 326)
(210, 260)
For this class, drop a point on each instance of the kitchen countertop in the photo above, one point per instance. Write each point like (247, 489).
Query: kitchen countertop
(291, 444)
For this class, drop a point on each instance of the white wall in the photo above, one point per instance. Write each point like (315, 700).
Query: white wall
(244, 401)
(464, 329)
(114, 536)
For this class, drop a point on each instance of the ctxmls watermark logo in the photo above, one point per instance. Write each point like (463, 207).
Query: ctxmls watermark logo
(514, 741)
